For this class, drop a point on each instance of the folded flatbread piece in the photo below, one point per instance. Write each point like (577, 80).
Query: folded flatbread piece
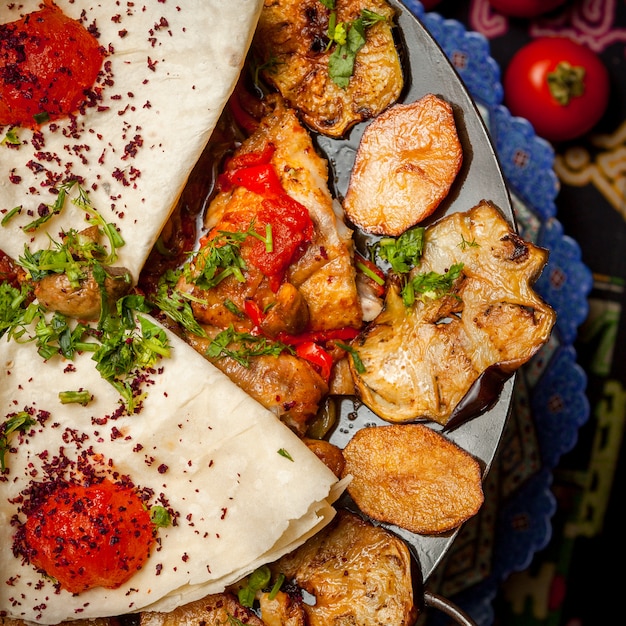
(169, 70)
(244, 488)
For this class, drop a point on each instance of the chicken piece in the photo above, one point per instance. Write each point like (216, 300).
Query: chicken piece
(318, 289)
(421, 361)
(282, 610)
(56, 293)
(406, 162)
(286, 385)
(358, 573)
(323, 274)
(291, 43)
(213, 610)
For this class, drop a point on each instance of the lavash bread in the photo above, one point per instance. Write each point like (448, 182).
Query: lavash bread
(170, 68)
(208, 447)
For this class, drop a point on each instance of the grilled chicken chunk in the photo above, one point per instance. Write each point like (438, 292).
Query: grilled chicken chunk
(315, 288)
(292, 45)
(284, 384)
(421, 360)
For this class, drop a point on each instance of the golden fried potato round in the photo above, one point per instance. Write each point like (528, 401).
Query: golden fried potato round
(414, 477)
(406, 162)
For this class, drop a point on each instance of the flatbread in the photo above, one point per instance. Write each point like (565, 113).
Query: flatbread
(208, 447)
(170, 69)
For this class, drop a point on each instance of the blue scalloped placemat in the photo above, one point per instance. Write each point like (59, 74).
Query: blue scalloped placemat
(550, 403)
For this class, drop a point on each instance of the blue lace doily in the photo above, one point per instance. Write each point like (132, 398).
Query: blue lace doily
(550, 403)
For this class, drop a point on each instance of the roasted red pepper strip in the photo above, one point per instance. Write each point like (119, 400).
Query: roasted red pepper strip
(319, 336)
(317, 356)
(254, 312)
(245, 121)
(370, 270)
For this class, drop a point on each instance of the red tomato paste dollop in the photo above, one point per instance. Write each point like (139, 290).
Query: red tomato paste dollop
(88, 536)
(48, 62)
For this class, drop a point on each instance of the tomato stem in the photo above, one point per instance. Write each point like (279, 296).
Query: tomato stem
(566, 82)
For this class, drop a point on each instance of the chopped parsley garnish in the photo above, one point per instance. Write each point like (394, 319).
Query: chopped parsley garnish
(354, 355)
(14, 211)
(160, 516)
(82, 397)
(11, 310)
(241, 346)
(11, 137)
(221, 257)
(258, 580)
(285, 453)
(21, 421)
(175, 304)
(92, 217)
(405, 252)
(347, 38)
(430, 285)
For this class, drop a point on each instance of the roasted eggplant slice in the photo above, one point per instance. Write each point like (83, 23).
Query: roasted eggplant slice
(358, 573)
(421, 360)
(294, 52)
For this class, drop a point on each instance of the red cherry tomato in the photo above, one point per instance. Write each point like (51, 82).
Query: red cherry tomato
(561, 87)
(525, 8)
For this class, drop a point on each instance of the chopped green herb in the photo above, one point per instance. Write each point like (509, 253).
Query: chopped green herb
(245, 346)
(160, 516)
(468, 244)
(82, 397)
(21, 421)
(14, 211)
(285, 453)
(11, 310)
(258, 580)
(405, 252)
(41, 118)
(276, 587)
(356, 359)
(348, 38)
(11, 137)
(176, 306)
(430, 285)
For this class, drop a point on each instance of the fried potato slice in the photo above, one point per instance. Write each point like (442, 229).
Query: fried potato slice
(405, 165)
(359, 573)
(414, 477)
(213, 610)
(291, 43)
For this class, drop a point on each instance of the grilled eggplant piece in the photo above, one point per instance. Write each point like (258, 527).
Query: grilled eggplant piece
(358, 573)
(214, 610)
(421, 361)
(292, 46)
